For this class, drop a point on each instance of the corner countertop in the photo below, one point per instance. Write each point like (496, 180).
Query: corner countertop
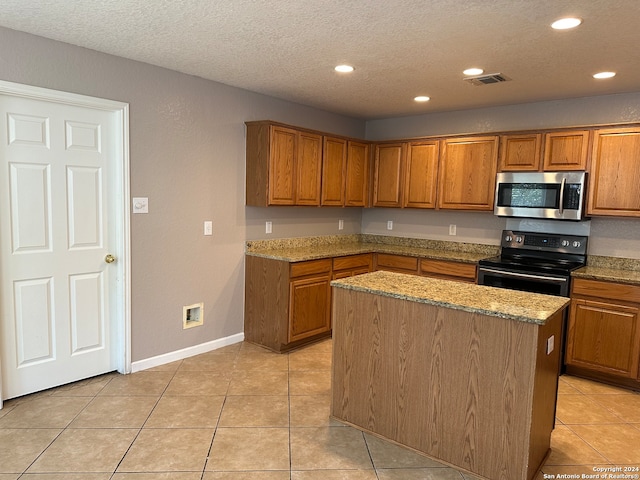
(313, 248)
(510, 304)
(610, 269)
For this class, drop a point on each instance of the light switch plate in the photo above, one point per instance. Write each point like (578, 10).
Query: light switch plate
(140, 204)
(208, 227)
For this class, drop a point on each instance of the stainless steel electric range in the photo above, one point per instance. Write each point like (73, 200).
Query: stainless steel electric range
(534, 262)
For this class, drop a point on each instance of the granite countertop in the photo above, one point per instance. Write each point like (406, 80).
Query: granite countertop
(608, 274)
(610, 269)
(312, 248)
(498, 302)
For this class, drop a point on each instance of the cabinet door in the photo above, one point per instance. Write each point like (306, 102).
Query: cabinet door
(284, 145)
(357, 175)
(566, 150)
(388, 174)
(603, 337)
(520, 153)
(614, 182)
(309, 312)
(467, 173)
(308, 169)
(421, 175)
(334, 162)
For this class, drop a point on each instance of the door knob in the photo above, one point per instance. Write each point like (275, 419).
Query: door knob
(109, 258)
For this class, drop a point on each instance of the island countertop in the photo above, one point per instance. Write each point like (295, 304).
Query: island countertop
(498, 302)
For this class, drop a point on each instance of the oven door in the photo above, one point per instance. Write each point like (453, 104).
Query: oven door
(525, 281)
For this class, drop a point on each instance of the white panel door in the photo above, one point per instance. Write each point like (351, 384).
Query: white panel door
(57, 225)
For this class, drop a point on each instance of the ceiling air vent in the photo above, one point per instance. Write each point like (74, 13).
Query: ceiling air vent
(487, 79)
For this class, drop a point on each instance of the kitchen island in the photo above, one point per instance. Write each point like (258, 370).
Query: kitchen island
(465, 374)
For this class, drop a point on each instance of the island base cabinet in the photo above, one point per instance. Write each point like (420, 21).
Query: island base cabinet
(474, 391)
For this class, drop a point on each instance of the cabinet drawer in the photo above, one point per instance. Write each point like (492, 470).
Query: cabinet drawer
(352, 261)
(448, 269)
(397, 261)
(300, 269)
(612, 290)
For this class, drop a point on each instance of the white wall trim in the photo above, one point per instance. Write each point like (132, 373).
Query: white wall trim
(185, 353)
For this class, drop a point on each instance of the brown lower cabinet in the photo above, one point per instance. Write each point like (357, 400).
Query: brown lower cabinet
(288, 304)
(445, 269)
(603, 336)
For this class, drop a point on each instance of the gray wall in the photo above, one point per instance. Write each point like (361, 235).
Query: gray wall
(187, 144)
(608, 236)
(187, 156)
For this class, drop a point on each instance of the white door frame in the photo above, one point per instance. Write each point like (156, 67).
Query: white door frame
(122, 318)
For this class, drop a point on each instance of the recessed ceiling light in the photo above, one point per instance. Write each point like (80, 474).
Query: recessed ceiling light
(344, 68)
(566, 23)
(604, 74)
(473, 71)
(422, 98)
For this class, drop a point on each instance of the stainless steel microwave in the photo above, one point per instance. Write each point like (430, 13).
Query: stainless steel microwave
(550, 195)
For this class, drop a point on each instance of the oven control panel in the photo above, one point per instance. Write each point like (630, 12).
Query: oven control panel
(548, 242)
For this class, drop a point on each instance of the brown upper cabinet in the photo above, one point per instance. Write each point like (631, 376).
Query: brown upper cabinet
(467, 173)
(614, 187)
(520, 152)
(421, 175)
(388, 174)
(334, 165)
(283, 165)
(356, 192)
(566, 150)
(345, 173)
(563, 150)
(405, 174)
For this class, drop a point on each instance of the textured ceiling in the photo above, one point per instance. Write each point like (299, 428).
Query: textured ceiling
(400, 48)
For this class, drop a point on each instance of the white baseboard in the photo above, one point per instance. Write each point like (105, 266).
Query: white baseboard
(185, 353)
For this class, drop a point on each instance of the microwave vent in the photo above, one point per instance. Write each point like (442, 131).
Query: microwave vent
(487, 79)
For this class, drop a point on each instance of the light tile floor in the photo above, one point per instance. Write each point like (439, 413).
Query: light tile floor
(243, 413)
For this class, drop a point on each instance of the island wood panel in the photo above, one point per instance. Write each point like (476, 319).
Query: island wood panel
(454, 385)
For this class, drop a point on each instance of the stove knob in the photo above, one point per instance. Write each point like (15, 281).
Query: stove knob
(565, 243)
(508, 238)
(576, 244)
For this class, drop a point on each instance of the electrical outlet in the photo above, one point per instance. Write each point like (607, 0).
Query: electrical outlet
(550, 344)
(208, 227)
(390, 225)
(452, 229)
(268, 227)
(340, 224)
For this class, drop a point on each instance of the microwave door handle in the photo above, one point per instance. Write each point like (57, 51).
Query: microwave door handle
(564, 180)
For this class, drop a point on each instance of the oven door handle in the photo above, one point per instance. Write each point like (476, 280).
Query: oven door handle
(564, 181)
(524, 275)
